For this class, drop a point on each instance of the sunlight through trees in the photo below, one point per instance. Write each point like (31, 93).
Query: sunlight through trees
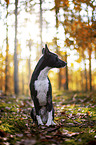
(69, 29)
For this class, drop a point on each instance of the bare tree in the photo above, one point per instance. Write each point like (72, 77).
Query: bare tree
(7, 49)
(41, 23)
(16, 89)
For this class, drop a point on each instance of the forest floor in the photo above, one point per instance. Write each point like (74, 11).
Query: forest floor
(75, 115)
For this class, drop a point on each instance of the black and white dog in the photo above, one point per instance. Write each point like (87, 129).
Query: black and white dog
(40, 88)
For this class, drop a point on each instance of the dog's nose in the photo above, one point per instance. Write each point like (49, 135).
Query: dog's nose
(65, 63)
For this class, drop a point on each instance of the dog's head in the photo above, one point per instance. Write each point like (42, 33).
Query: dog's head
(51, 59)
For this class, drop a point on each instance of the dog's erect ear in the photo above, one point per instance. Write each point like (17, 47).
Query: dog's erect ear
(45, 50)
(46, 46)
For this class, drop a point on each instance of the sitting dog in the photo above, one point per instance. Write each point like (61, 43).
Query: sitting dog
(41, 90)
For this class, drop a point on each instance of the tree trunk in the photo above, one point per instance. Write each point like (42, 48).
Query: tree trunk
(22, 82)
(7, 49)
(86, 87)
(59, 79)
(66, 73)
(59, 74)
(29, 60)
(41, 24)
(90, 74)
(16, 89)
(66, 84)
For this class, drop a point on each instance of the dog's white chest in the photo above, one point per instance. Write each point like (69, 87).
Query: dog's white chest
(42, 89)
(41, 86)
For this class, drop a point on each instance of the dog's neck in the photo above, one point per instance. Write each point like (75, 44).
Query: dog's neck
(41, 70)
(43, 73)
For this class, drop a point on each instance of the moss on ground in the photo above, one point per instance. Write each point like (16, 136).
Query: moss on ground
(75, 114)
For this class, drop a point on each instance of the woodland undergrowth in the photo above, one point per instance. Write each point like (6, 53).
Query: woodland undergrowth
(75, 116)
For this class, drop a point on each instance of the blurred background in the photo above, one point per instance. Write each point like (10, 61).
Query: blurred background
(69, 29)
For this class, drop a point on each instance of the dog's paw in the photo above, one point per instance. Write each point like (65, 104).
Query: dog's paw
(39, 120)
(50, 123)
(41, 123)
(53, 123)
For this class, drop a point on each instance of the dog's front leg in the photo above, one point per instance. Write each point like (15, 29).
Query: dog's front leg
(38, 117)
(49, 121)
(39, 120)
(50, 113)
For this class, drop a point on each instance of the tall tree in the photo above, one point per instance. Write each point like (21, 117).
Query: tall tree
(57, 13)
(29, 43)
(65, 8)
(7, 49)
(61, 4)
(41, 24)
(79, 30)
(16, 88)
(57, 4)
(92, 38)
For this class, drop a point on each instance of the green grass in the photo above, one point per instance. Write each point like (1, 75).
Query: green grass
(75, 114)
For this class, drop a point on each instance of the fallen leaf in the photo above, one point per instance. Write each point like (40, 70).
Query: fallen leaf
(3, 133)
(19, 135)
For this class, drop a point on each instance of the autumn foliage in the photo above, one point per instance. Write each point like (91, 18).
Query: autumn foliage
(70, 32)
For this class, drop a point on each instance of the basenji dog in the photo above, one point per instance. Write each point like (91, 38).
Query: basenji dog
(41, 90)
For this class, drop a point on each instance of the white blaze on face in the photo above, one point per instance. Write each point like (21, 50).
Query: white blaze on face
(41, 86)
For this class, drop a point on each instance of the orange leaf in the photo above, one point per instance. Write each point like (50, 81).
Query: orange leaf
(88, 113)
(63, 81)
(7, 1)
